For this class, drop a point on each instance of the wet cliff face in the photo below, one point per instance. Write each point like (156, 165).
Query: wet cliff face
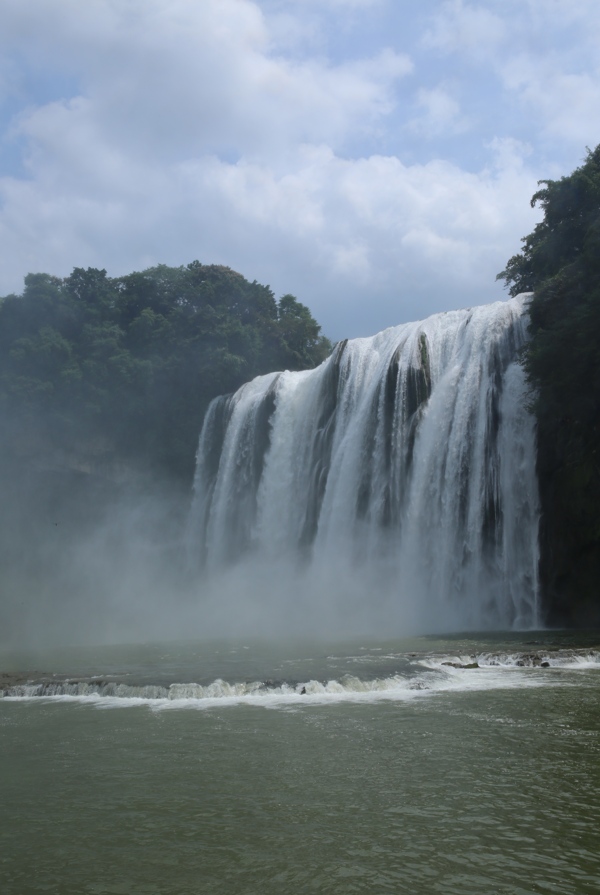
(569, 532)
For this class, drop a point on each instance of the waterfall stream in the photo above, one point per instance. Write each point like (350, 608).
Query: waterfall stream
(401, 471)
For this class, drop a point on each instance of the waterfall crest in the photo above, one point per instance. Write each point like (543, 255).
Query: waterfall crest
(402, 469)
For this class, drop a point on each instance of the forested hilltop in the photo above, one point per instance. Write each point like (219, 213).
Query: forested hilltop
(560, 264)
(103, 370)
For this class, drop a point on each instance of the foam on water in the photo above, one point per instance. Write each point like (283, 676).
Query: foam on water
(427, 675)
(568, 659)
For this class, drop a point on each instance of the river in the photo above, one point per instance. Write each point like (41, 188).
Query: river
(365, 767)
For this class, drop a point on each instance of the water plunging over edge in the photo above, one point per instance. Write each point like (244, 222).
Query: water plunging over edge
(396, 481)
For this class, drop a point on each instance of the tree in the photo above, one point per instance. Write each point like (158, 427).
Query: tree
(131, 363)
(560, 264)
(301, 332)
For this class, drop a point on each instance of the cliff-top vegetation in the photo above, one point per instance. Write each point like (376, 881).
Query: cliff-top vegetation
(560, 265)
(122, 369)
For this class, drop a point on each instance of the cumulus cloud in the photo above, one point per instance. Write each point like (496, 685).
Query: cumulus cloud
(543, 54)
(177, 78)
(371, 241)
(459, 27)
(441, 113)
(565, 104)
(167, 131)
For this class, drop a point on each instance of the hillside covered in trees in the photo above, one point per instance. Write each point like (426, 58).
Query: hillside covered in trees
(104, 383)
(560, 265)
(104, 370)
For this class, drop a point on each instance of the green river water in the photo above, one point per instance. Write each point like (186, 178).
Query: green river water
(391, 773)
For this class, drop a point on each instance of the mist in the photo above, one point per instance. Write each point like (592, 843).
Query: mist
(389, 491)
(108, 556)
(90, 560)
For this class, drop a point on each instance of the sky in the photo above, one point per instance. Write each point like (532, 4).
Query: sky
(376, 158)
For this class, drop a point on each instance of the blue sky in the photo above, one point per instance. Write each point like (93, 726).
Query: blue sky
(374, 157)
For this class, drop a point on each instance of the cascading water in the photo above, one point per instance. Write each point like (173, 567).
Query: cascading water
(398, 477)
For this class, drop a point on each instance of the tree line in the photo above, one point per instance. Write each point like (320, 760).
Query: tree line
(125, 367)
(560, 265)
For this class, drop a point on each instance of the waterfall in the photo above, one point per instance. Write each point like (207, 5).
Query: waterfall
(399, 476)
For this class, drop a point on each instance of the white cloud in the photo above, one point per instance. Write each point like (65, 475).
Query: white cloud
(508, 154)
(366, 234)
(175, 130)
(348, 235)
(441, 115)
(543, 54)
(552, 15)
(566, 105)
(343, 4)
(459, 27)
(182, 79)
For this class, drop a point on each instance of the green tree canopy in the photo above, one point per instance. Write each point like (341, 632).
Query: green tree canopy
(560, 265)
(132, 362)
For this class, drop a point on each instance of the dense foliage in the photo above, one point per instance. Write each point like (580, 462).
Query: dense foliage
(126, 366)
(560, 264)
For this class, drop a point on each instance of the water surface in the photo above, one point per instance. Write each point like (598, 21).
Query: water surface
(392, 773)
